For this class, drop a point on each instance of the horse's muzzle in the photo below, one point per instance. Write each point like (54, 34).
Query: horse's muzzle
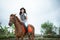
(10, 23)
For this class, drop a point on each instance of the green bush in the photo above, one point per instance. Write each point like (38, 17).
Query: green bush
(5, 36)
(51, 36)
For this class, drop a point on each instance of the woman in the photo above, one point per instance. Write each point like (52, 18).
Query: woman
(23, 17)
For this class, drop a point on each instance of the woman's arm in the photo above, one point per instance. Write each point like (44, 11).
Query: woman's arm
(26, 16)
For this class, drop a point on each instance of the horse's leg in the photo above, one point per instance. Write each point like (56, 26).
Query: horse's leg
(21, 38)
(32, 36)
(29, 36)
(17, 38)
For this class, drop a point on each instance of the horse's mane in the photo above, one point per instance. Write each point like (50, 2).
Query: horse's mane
(18, 20)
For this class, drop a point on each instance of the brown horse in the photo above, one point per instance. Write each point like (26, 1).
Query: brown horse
(20, 30)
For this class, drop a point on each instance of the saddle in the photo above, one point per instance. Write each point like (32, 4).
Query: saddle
(27, 29)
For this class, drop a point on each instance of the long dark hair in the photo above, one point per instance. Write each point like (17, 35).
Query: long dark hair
(21, 12)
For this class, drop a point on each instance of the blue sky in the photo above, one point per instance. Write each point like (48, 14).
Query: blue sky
(39, 11)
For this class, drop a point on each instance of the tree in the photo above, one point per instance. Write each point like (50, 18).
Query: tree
(48, 28)
(59, 30)
(1, 30)
(6, 30)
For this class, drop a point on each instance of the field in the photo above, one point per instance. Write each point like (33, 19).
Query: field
(35, 39)
(25, 38)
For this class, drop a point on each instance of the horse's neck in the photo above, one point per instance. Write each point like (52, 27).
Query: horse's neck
(17, 24)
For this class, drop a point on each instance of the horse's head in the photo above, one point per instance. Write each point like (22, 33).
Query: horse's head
(12, 19)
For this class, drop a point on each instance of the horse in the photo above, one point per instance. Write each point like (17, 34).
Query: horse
(20, 30)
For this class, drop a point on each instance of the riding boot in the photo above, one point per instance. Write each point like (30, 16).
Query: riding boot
(26, 29)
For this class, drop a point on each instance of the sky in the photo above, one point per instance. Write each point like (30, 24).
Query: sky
(38, 11)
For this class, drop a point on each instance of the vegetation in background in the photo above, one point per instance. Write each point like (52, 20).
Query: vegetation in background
(48, 27)
(49, 30)
(4, 33)
(59, 30)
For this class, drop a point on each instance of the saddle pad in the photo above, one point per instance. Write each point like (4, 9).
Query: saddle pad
(24, 30)
(29, 29)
